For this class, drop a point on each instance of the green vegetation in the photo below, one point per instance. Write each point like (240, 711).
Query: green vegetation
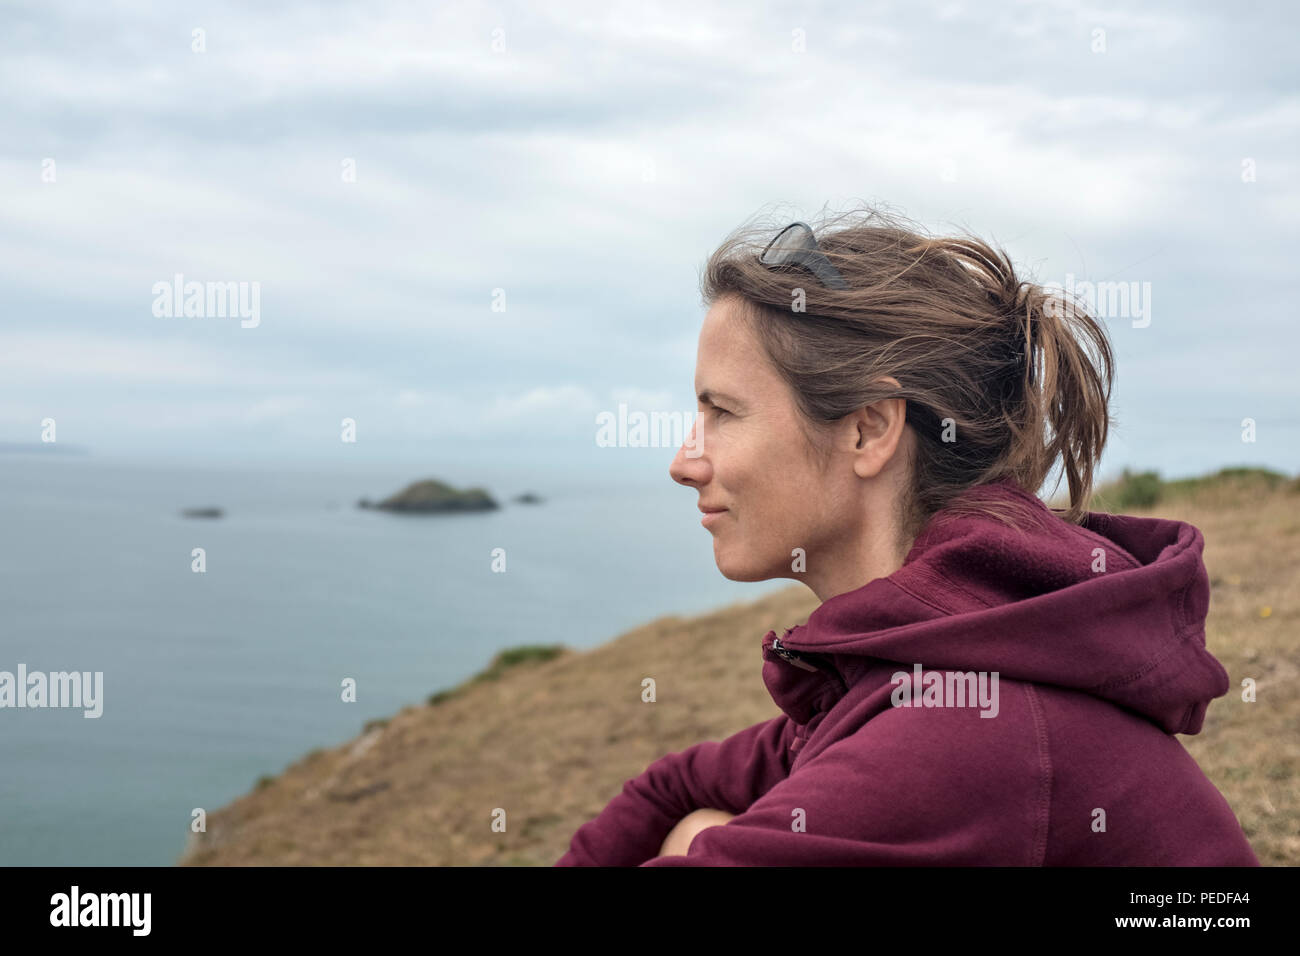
(502, 662)
(1146, 489)
(1244, 479)
(1131, 490)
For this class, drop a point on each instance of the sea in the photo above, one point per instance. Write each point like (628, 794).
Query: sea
(228, 663)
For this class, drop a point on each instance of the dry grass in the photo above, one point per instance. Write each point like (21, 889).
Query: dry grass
(551, 742)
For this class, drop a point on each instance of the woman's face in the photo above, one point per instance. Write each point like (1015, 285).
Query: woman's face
(747, 454)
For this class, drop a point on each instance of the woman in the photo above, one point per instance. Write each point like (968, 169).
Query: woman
(987, 681)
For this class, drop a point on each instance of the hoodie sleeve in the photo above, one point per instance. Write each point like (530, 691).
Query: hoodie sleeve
(726, 775)
(909, 788)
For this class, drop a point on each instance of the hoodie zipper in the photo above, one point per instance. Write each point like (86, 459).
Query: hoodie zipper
(795, 658)
(828, 670)
(790, 656)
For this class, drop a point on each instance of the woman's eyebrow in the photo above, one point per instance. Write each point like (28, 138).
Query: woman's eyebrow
(710, 396)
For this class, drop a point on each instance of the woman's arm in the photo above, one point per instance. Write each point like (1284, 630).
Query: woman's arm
(680, 837)
(726, 775)
(932, 787)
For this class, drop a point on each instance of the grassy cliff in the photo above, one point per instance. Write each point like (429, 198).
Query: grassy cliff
(549, 735)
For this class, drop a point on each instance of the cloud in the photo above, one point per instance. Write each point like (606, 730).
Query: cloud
(35, 358)
(570, 401)
(586, 160)
(648, 400)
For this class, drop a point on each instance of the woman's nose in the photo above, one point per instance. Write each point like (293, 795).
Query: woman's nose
(688, 466)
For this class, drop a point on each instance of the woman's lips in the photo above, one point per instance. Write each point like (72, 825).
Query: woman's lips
(712, 517)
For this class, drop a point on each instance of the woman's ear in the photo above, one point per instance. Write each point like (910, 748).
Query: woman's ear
(879, 432)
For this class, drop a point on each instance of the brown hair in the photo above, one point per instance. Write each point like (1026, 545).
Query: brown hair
(1019, 375)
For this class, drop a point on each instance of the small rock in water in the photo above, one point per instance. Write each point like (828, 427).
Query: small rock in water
(202, 513)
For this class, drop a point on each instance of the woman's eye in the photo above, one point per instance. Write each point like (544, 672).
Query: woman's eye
(720, 411)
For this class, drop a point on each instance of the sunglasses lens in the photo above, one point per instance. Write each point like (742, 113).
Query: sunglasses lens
(795, 245)
(792, 240)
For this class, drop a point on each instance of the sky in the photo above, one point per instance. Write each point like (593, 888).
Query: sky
(474, 227)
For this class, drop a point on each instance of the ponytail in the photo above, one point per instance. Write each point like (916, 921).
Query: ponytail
(1068, 380)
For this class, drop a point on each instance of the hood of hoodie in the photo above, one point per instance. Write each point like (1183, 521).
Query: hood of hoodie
(1114, 607)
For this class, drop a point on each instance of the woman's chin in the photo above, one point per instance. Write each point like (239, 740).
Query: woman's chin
(738, 570)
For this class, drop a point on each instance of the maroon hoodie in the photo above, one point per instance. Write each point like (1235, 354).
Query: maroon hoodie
(1005, 698)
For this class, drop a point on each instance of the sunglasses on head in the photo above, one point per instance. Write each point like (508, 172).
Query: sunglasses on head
(795, 246)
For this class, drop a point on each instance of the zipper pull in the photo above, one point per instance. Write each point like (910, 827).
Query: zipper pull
(791, 657)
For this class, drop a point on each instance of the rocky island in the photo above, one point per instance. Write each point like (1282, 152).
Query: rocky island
(432, 496)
